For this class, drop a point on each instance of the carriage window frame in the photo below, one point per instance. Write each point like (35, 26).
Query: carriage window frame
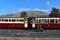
(0, 19)
(56, 21)
(41, 21)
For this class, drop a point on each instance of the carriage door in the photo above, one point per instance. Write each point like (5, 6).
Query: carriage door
(29, 24)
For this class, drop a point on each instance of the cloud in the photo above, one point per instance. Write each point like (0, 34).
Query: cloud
(44, 10)
(23, 9)
(48, 3)
(28, 9)
(35, 9)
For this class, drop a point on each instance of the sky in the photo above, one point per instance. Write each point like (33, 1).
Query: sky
(13, 6)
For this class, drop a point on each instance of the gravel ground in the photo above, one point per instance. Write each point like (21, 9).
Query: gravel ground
(29, 33)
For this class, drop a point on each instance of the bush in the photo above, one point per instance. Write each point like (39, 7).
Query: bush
(40, 28)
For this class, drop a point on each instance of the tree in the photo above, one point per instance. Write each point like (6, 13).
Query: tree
(23, 14)
(54, 13)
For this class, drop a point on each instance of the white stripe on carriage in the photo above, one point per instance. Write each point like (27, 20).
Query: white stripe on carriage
(11, 22)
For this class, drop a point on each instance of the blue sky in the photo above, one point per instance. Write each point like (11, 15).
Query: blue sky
(12, 6)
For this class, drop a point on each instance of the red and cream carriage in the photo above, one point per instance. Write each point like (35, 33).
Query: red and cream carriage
(29, 22)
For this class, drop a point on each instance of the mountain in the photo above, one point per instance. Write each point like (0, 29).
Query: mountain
(29, 14)
(37, 14)
(12, 15)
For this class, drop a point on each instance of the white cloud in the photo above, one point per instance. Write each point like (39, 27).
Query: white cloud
(44, 10)
(35, 9)
(48, 3)
(28, 9)
(23, 9)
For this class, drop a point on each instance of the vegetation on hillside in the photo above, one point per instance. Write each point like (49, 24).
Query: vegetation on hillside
(23, 14)
(54, 12)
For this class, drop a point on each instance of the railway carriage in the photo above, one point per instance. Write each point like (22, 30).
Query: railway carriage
(46, 23)
(12, 23)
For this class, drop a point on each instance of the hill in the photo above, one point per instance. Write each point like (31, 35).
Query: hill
(29, 14)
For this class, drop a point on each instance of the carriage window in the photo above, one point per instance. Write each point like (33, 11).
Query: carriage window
(43, 21)
(21, 20)
(59, 20)
(9, 20)
(39, 21)
(52, 21)
(13, 20)
(36, 21)
(6, 19)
